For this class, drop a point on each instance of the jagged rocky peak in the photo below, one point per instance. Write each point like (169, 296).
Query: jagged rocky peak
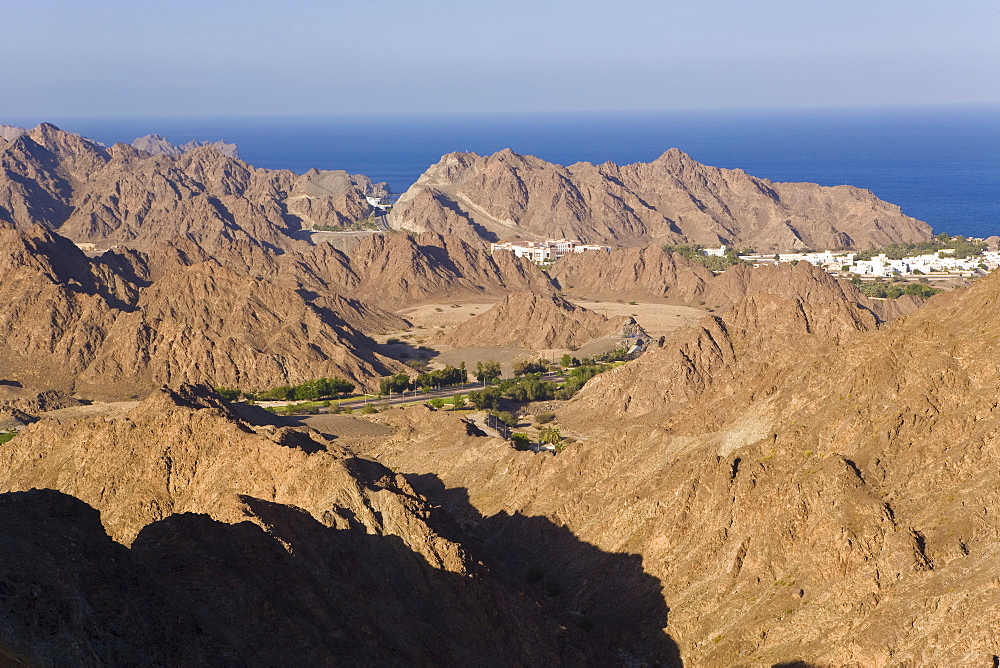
(673, 199)
(9, 132)
(160, 145)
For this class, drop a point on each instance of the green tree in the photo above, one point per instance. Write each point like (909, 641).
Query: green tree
(550, 435)
(520, 441)
(228, 393)
(487, 372)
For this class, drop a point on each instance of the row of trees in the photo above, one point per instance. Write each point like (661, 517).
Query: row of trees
(882, 290)
(319, 388)
(401, 382)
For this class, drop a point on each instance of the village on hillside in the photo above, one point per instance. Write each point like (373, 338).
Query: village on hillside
(966, 257)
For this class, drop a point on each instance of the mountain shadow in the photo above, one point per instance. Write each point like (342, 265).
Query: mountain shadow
(609, 595)
(195, 591)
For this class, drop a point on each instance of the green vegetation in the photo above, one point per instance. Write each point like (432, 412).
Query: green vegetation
(550, 435)
(6, 437)
(228, 393)
(437, 403)
(578, 377)
(524, 367)
(442, 377)
(713, 262)
(398, 383)
(319, 388)
(368, 223)
(963, 248)
(569, 360)
(506, 417)
(545, 418)
(487, 372)
(520, 441)
(881, 290)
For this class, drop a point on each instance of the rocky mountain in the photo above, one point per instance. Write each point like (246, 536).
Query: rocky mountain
(185, 533)
(397, 270)
(107, 328)
(159, 145)
(655, 274)
(673, 199)
(649, 273)
(9, 132)
(804, 485)
(538, 322)
(141, 198)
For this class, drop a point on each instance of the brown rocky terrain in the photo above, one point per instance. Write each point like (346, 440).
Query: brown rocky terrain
(235, 541)
(653, 274)
(143, 196)
(101, 327)
(673, 199)
(805, 476)
(397, 270)
(159, 145)
(806, 485)
(538, 322)
(649, 273)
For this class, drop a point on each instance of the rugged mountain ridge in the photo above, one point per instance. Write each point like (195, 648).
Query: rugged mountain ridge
(538, 322)
(124, 195)
(104, 328)
(631, 273)
(239, 541)
(160, 145)
(673, 199)
(806, 484)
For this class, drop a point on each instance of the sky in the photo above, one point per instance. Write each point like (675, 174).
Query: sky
(120, 58)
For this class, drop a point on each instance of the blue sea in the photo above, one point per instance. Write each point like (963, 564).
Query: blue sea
(941, 165)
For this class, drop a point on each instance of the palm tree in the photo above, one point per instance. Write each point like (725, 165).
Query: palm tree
(550, 435)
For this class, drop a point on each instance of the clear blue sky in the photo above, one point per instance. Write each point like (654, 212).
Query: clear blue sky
(224, 57)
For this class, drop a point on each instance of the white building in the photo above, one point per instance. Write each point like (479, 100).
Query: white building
(546, 251)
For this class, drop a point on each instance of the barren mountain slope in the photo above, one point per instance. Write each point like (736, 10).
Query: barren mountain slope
(399, 269)
(631, 273)
(802, 280)
(807, 487)
(124, 195)
(247, 543)
(673, 199)
(207, 324)
(538, 322)
(113, 327)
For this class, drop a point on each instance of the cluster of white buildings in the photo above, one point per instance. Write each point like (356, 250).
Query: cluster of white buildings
(547, 251)
(938, 262)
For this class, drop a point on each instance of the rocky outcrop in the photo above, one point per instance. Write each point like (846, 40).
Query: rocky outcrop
(538, 322)
(207, 324)
(112, 328)
(9, 132)
(239, 542)
(673, 199)
(399, 269)
(159, 145)
(649, 273)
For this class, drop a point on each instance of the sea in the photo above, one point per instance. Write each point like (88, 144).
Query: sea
(940, 164)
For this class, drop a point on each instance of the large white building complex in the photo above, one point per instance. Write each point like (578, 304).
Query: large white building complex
(547, 251)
